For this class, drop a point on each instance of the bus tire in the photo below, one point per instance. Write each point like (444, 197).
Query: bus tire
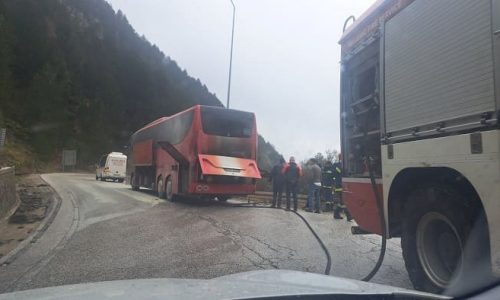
(169, 195)
(133, 182)
(436, 225)
(160, 189)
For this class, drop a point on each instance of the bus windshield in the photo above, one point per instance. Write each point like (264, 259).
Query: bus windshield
(225, 122)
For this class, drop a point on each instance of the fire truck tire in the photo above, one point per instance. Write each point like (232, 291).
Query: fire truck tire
(168, 190)
(222, 198)
(436, 225)
(160, 189)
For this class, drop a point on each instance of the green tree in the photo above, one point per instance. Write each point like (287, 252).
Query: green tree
(75, 74)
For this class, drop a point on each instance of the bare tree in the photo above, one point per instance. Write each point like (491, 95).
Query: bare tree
(332, 155)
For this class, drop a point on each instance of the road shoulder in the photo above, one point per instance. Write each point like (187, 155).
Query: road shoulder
(39, 204)
(53, 235)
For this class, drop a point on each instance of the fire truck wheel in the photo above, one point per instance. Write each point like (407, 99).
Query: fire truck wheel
(222, 198)
(160, 190)
(168, 190)
(437, 223)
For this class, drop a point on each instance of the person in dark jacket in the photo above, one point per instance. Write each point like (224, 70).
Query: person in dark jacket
(278, 180)
(292, 173)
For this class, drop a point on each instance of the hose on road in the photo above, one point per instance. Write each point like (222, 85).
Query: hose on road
(380, 208)
(323, 246)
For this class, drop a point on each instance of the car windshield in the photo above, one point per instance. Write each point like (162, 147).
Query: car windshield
(230, 149)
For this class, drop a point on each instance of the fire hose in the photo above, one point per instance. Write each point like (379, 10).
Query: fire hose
(380, 208)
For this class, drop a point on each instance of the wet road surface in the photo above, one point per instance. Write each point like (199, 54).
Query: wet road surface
(106, 231)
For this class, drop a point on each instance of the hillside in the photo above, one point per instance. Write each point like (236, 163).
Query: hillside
(75, 74)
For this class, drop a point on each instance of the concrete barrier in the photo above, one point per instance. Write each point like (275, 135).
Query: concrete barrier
(8, 196)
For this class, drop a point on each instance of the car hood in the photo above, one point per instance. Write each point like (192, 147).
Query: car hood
(253, 284)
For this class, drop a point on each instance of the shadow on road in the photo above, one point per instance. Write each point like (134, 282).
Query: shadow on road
(196, 201)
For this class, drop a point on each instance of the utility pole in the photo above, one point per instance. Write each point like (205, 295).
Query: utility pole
(230, 58)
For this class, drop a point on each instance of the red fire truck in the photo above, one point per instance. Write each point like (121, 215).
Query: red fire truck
(420, 103)
(202, 151)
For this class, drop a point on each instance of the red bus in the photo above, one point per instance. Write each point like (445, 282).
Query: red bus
(203, 151)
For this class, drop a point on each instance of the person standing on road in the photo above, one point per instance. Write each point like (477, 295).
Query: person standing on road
(328, 182)
(292, 173)
(278, 180)
(314, 186)
(338, 206)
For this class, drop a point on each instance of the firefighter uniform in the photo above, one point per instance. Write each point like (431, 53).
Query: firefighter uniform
(338, 204)
(328, 182)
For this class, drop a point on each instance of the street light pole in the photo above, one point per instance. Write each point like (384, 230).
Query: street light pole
(230, 58)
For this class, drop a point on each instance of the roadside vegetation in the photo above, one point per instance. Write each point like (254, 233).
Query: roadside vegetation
(75, 75)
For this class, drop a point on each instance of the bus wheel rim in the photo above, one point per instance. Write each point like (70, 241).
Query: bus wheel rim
(160, 187)
(169, 189)
(439, 248)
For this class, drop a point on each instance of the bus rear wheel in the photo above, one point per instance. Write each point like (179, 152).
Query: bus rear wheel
(133, 182)
(436, 227)
(168, 190)
(160, 190)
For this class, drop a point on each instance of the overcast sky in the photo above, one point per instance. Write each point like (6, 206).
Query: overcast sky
(285, 59)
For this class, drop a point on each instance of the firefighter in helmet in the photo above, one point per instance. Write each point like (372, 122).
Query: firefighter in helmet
(338, 204)
(328, 182)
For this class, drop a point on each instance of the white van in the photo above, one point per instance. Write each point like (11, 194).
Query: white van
(111, 166)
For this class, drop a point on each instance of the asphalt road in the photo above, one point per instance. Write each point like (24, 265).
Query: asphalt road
(106, 231)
